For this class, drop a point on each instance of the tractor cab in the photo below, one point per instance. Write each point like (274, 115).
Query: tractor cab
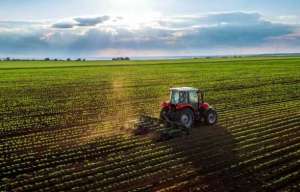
(185, 95)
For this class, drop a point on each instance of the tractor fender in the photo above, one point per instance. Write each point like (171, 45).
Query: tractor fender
(204, 106)
(205, 111)
(165, 105)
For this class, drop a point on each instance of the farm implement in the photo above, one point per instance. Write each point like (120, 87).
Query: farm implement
(156, 127)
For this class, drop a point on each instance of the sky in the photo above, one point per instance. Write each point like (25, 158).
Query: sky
(143, 28)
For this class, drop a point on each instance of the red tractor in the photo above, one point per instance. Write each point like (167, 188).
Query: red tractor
(186, 106)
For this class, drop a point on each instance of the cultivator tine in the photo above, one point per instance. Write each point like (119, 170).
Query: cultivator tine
(146, 124)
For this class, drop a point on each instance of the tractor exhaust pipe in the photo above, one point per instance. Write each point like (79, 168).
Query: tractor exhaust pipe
(201, 94)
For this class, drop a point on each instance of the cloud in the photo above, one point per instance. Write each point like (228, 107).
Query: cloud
(64, 25)
(232, 34)
(233, 18)
(21, 42)
(212, 19)
(9, 24)
(290, 19)
(204, 33)
(81, 22)
(91, 21)
(220, 30)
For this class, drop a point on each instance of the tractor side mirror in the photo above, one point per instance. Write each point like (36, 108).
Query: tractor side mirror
(201, 96)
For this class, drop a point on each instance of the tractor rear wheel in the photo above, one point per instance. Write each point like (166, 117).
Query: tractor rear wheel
(187, 118)
(211, 117)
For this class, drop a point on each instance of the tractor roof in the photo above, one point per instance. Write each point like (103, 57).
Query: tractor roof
(184, 89)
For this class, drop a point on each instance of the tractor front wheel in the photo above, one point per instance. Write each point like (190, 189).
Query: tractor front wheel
(187, 118)
(211, 117)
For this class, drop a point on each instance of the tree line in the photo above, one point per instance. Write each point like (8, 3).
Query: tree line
(55, 59)
(45, 59)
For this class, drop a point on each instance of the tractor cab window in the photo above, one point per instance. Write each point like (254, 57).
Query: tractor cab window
(175, 97)
(193, 97)
(179, 97)
(183, 97)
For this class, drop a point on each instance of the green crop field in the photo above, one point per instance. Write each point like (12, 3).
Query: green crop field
(67, 126)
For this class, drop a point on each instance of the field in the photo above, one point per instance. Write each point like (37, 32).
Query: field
(67, 126)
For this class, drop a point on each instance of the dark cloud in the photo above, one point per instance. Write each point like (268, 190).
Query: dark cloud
(21, 42)
(234, 35)
(63, 25)
(93, 39)
(81, 21)
(91, 21)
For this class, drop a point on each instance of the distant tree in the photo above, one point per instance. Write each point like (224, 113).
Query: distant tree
(121, 58)
(7, 59)
(83, 59)
(79, 59)
(55, 59)
(68, 59)
(47, 59)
